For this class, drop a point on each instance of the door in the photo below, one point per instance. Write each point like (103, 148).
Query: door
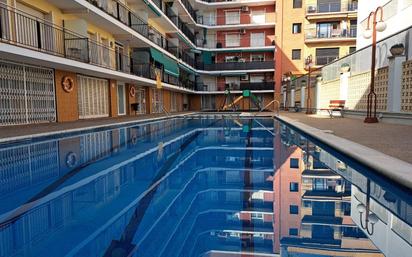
(93, 97)
(257, 39)
(121, 98)
(141, 100)
(258, 17)
(119, 57)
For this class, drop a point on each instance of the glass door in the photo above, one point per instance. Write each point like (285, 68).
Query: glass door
(121, 99)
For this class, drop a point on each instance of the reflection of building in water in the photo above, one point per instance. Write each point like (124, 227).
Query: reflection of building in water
(390, 230)
(24, 166)
(316, 218)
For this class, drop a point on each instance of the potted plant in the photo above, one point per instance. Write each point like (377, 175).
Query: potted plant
(345, 67)
(397, 49)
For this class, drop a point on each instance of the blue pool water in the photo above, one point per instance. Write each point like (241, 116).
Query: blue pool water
(195, 186)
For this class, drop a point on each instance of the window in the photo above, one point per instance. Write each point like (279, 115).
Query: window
(258, 17)
(296, 28)
(293, 209)
(257, 39)
(293, 232)
(297, 3)
(294, 187)
(307, 204)
(257, 57)
(257, 78)
(257, 216)
(328, 30)
(352, 49)
(232, 40)
(294, 163)
(326, 55)
(232, 17)
(329, 6)
(296, 54)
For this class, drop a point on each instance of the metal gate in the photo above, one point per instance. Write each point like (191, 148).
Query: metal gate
(93, 97)
(26, 94)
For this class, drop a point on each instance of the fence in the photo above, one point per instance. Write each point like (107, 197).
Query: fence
(349, 79)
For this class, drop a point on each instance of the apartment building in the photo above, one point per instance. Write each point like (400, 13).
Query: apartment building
(323, 29)
(70, 60)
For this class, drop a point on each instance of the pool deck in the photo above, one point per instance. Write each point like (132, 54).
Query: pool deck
(392, 139)
(11, 133)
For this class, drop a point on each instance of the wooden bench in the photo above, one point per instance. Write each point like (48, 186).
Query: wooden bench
(335, 106)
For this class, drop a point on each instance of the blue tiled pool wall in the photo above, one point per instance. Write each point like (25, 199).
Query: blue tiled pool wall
(68, 205)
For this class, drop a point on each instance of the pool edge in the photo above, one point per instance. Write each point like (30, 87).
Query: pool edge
(388, 166)
(87, 128)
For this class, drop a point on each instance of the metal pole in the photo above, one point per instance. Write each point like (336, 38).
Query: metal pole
(371, 104)
(308, 102)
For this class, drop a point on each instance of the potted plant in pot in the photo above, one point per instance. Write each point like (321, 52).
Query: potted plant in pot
(397, 49)
(345, 67)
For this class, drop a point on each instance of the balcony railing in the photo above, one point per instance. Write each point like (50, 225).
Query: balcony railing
(22, 29)
(332, 7)
(330, 34)
(270, 85)
(242, 19)
(237, 66)
(266, 85)
(190, 9)
(242, 42)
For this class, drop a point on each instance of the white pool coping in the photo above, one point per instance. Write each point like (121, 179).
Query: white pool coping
(391, 167)
(114, 123)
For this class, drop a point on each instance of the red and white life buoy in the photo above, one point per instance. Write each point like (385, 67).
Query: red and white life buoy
(68, 84)
(132, 91)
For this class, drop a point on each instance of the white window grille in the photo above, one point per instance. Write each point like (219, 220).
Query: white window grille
(257, 39)
(232, 17)
(232, 40)
(93, 97)
(26, 94)
(157, 101)
(141, 100)
(173, 102)
(258, 17)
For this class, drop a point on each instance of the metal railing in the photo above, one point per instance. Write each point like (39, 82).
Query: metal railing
(268, 85)
(190, 9)
(24, 30)
(244, 18)
(333, 6)
(332, 33)
(242, 42)
(236, 65)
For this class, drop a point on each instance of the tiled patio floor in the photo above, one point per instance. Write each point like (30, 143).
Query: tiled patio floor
(391, 139)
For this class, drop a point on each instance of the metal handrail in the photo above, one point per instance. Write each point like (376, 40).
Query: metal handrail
(271, 102)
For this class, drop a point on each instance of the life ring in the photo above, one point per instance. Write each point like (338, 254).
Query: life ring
(132, 91)
(68, 84)
(71, 159)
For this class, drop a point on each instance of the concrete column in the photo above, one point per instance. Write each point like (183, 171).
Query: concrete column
(317, 92)
(394, 83)
(344, 85)
(292, 98)
(303, 96)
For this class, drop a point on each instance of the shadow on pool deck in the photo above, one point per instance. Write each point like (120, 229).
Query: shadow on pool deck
(392, 139)
(32, 129)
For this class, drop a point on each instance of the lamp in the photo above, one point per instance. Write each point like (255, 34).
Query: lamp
(368, 33)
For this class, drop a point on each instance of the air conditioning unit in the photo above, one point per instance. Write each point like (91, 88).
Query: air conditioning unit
(245, 8)
(242, 31)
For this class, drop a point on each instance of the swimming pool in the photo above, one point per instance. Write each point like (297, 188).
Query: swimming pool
(208, 185)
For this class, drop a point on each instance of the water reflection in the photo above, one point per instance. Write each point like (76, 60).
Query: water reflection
(194, 187)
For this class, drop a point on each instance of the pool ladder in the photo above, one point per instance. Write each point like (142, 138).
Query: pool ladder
(271, 102)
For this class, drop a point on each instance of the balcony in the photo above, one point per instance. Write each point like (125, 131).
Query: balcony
(241, 42)
(333, 8)
(332, 35)
(237, 66)
(241, 20)
(30, 32)
(270, 85)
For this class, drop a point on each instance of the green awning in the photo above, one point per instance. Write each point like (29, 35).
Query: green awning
(170, 66)
(187, 69)
(152, 8)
